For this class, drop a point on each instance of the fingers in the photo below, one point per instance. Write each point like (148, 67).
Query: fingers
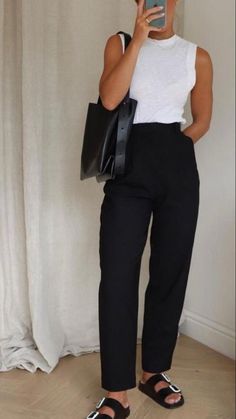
(156, 16)
(151, 11)
(143, 27)
(140, 7)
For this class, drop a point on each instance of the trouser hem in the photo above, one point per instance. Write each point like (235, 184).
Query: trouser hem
(121, 387)
(156, 368)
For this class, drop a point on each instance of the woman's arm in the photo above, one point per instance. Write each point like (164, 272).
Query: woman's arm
(201, 97)
(118, 67)
(118, 71)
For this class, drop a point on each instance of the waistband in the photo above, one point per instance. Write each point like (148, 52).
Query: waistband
(158, 124)
(156, 128)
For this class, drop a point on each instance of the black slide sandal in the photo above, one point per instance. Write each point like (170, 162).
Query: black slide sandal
(121, 412)
(159, 396)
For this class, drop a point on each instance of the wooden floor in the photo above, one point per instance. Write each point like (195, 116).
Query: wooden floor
(73, 388)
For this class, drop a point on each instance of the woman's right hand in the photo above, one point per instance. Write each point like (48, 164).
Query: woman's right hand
(142, 28)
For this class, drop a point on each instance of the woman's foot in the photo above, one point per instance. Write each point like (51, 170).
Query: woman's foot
(171, 398)
(121, 396)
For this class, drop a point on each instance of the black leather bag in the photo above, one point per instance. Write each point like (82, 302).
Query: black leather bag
(106, 136)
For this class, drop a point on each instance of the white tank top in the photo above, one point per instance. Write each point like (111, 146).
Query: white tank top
(162, 79)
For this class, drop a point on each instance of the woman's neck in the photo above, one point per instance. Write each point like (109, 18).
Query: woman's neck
(162, 35)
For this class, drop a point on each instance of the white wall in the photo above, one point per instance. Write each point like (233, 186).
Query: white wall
(209, 303)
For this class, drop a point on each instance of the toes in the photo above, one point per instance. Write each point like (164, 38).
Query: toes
(173, 400)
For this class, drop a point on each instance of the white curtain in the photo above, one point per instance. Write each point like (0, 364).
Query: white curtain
(51, 56)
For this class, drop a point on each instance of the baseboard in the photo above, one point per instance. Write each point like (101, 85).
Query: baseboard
(210, 333)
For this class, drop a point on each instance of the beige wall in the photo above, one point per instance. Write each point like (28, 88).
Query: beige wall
(210, 296)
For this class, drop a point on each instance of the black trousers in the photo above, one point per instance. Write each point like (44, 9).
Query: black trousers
(161, 180)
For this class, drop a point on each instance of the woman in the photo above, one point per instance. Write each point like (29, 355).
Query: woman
(161, 180)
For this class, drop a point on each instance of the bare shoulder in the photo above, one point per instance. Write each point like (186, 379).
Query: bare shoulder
(113, 45)
(203, 59)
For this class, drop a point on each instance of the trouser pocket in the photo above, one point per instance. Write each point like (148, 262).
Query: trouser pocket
(187, 138)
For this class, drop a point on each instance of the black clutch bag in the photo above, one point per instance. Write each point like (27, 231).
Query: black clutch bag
(106, 136)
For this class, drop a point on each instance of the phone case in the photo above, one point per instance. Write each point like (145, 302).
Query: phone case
(161, 22)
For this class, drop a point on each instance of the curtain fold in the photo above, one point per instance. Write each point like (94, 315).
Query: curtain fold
(16, 337)
(51, 59)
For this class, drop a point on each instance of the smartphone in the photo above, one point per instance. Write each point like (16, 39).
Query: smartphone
(161, 22)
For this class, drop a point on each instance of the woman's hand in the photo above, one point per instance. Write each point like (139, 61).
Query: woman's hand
(142, 28)
(118, 67)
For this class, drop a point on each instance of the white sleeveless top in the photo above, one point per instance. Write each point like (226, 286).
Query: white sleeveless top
(162, 79)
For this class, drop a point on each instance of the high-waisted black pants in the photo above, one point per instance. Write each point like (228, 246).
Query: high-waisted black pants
(161, 180)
